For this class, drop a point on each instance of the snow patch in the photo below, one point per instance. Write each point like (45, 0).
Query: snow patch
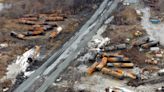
(19, 66)
(155, 31)
(1, 6)
(27, 74)
(97, 40)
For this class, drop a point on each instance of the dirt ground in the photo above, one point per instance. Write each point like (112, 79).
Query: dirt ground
(123, 27)
(75, 78)
(115, 32)
(18, 47)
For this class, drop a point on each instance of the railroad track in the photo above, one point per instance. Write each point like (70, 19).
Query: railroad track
(59, 61)
(148, 81)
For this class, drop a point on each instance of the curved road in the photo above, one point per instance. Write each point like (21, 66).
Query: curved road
(51, 69)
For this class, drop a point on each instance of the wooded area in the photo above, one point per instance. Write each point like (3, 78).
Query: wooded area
(44, 6)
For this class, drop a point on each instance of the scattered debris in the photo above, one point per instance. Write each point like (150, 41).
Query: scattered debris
(156, 49)
(55, 33)
(155, 21)
(151, 61)
(59, 79)
(20, 64)
(34, 56)
(3, 45)
(27, 74)
(152, 3)
(138, 34)
(112, 57)
(19, 36)
(6, 85)
(104, 42)
(118, 89)
(5, 89)
(109, 60)
(34, 30)
(161, 89)
(137, 83)
(115, 47)
(161, 72)
(150, 44)
(118, 56)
